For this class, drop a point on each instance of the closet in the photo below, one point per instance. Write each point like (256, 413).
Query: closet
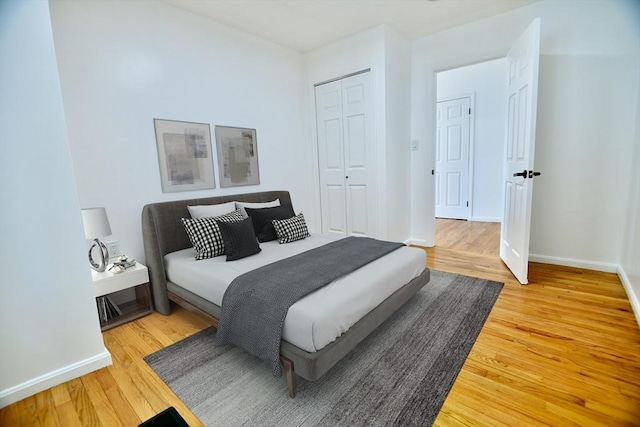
(346, 155)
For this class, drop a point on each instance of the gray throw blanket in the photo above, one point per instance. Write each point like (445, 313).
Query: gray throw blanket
(256, 303)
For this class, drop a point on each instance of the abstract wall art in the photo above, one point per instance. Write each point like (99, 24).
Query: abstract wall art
(184, 155)
(237, 156)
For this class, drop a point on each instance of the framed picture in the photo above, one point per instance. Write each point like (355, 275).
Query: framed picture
(237, 156)
(184, 155)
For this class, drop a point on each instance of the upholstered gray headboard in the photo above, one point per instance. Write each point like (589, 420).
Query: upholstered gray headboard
(163, 233)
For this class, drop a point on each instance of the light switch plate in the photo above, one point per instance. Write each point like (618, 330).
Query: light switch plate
(414, 145)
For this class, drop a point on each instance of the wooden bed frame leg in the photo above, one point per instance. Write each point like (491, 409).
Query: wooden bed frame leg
(290, 375)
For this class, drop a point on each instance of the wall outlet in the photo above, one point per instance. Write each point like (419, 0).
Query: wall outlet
(113, 247)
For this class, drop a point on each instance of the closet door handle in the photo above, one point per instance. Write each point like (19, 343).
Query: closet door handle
(522, 174)
(346, 177)
(532, 174)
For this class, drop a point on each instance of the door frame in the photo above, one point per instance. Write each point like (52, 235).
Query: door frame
(472, 131)
(446, 66)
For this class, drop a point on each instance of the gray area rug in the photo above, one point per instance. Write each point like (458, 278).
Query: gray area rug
(400, 375)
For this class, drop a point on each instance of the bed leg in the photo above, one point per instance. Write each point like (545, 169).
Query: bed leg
(290, 375)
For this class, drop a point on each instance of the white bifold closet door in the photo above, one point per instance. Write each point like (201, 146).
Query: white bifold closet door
(346, 156)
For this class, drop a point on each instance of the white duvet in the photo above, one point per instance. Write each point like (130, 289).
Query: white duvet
(322, 316)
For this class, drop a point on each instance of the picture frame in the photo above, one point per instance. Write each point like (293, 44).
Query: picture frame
(237, 156)
(185, 155)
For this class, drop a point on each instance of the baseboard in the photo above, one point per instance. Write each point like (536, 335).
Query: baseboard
(578, 263)
(485, 219)
(59, 376)
(634, 299)
(417, 242)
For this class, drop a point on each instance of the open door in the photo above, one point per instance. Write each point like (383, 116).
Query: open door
(522, 102)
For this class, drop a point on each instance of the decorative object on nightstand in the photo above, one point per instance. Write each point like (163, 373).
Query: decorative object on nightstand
(96, 224)
(106, 284)
(121, 264)
(125, 262)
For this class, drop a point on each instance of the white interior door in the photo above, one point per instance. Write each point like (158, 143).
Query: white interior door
(331, 158)
(346, 156)
(452, 159)
(522, 101)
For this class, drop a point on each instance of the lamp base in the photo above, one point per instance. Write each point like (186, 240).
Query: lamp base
(104, 256)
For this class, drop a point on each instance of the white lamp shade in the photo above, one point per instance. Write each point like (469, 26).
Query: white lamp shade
(96, 223)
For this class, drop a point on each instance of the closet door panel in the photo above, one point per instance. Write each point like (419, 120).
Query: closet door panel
(333, 147)
(336, 220)
(358, 214)
(356, 156)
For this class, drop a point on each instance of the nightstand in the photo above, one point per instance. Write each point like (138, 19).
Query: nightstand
(105, 284)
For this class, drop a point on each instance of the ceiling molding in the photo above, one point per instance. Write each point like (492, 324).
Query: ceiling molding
(305, 25)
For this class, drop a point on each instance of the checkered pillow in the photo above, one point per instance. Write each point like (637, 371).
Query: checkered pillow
(205, 235)
(292, 229)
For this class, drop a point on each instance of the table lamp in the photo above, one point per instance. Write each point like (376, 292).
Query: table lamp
(96, 224)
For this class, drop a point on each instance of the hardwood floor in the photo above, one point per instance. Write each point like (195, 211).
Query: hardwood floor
(564, 350)
(482, 238)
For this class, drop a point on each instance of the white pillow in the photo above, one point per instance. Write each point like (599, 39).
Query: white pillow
(242, 205)
(209, 211)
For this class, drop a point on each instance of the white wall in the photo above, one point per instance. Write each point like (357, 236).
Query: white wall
(589, 71)
(487, 82)
(49, 330)
(122, 64)
(398, 134)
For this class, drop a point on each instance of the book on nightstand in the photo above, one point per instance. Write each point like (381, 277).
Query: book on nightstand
(107, 309)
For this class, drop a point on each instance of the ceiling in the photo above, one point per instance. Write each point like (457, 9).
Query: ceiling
(304, 25)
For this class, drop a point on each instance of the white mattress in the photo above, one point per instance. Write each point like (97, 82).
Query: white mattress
(322, 316)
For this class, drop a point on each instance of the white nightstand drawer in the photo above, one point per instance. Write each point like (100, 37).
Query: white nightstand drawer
(106, 283)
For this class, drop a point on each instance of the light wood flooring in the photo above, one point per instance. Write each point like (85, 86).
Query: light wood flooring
(564, 350)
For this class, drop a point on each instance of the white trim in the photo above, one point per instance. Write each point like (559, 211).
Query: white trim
(59, 376)
(472, 150)
(633, 298)
(485, 219)
(578, 263)
(418, 242)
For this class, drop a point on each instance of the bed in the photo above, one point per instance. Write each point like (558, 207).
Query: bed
(307, 350)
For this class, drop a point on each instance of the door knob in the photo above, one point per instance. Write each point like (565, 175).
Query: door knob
(522, 174)
(346, 177)
(532, 174)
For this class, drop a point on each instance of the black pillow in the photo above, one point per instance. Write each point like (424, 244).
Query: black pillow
(239, 239)
(261, 218)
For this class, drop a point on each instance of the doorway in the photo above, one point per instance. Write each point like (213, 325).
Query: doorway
(483, 85)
